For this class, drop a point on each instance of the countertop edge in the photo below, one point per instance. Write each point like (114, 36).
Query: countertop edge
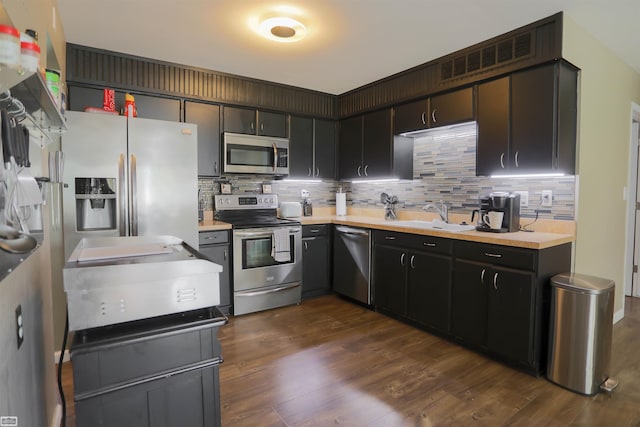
(520, 239)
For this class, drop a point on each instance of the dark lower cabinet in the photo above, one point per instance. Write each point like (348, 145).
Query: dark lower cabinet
(511, 314)
(500, 300)
(429, 290)
(154, 372)
(215, 245)
(412, 278)
(315, 261)
(469, 298)
(491, 298)
(390, 273)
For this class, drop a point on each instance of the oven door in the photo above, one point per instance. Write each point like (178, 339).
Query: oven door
(253, 263)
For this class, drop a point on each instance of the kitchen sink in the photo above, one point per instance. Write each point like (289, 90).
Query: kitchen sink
(435, 225)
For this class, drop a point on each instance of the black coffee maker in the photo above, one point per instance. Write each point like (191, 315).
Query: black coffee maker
(504, 202)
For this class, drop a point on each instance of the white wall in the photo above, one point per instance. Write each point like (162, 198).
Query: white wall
(607, 89)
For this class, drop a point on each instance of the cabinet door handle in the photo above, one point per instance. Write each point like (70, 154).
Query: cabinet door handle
(482, 276)
(402, 259)
(493, 255)
(516, 158)
(309, 174)
(431, 245)
(389, 238)
(433, 115)
(225, 255)
(253, 126)
(314, 230)
(317, 171)
(365, 170)
(261, 126)
(495, 281)
(215, 167)
(359, 167)
(423, 118)
(502, 160)
(411, 261)
(306, 246)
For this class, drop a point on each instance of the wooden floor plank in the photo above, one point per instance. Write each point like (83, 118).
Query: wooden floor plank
(331, 362)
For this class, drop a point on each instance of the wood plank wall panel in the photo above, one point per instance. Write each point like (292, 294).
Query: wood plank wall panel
(94, 67)
(425, 79)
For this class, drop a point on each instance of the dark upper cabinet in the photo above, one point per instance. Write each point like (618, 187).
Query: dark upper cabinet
(440, 110)
(368, 149)
(451, 108)
(312, 148)
(541, 112)
(147, 106)
(377, 145)
(254, 122)
(492, 153)
(411, 117)
(207, 117)
(301, 147)
(350, 148)
(324, 144)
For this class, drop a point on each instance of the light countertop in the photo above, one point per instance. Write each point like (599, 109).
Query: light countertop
(547, 233)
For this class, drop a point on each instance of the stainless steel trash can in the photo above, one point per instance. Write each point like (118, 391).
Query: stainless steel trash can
(580, 331)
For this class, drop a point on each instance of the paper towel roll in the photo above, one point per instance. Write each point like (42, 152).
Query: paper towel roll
(341, 204)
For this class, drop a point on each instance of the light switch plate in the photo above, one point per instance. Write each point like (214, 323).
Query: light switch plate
(546, 197)
(524, 198)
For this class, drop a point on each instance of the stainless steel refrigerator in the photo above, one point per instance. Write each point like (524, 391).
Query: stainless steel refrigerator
(128, 177)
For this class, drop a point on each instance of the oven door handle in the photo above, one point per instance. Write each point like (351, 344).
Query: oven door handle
(268, 291)
(261, 233)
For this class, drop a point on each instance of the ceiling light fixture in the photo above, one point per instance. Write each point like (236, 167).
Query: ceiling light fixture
(282, 29)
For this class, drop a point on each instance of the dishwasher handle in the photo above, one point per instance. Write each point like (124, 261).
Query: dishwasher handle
(354, 231)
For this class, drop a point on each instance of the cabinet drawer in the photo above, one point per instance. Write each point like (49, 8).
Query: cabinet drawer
(315, 230)
(524, 259)
(213, 237)
(414, 241)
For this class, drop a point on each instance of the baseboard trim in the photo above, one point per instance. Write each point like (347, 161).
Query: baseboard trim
(56, 357)
(57, 416)
(618, 316)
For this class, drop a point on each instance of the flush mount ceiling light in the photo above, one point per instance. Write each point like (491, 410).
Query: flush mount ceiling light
(282, 29)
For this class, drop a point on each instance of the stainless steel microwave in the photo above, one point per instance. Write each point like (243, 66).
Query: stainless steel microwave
(255, 154)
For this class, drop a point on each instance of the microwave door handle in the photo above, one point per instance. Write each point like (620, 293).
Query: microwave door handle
(275, 156)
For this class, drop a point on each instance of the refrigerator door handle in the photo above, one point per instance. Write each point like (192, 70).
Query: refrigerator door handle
(133, 196)
(122, 198)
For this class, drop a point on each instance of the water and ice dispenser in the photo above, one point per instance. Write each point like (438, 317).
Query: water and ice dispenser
(95, 204)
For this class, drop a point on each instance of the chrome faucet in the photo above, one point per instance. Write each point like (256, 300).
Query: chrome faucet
(441, 207)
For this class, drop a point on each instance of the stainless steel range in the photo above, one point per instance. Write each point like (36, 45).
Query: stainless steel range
(267, 252)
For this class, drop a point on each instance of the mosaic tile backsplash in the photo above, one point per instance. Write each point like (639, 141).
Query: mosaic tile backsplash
(443, 169)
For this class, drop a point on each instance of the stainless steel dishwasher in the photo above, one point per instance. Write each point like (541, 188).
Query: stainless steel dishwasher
(352, 263)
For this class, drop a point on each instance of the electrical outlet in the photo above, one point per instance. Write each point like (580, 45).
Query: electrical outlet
(524, 198)
(304, 193)
(19, 326)
(546, 197)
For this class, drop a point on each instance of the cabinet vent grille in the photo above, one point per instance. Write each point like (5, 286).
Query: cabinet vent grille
(460, 66)
(498, 53)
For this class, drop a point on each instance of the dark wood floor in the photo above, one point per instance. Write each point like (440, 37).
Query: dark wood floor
(329, 362)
